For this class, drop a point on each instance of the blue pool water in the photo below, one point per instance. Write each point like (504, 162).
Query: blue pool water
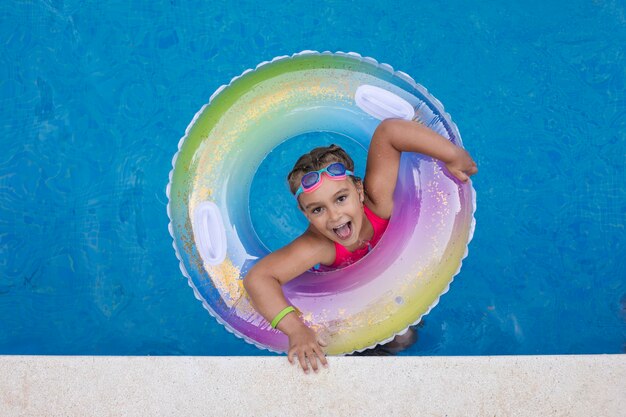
(94, 97)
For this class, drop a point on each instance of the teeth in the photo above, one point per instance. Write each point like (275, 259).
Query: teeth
(340, 226)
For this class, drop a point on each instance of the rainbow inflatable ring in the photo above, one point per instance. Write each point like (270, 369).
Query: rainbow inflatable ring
(357, 307)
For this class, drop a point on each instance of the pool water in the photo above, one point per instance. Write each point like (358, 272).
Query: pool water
(95, 96)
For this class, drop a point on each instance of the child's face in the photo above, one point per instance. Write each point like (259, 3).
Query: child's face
(335, 210)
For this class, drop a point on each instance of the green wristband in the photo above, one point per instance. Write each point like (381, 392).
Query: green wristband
(282, 314)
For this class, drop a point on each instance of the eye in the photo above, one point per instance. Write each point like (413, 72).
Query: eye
(316, 210)
(342, 198)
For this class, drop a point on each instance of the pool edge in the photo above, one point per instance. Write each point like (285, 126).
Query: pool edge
(560, 385)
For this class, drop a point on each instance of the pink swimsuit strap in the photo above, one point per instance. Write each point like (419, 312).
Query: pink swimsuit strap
(344, 257)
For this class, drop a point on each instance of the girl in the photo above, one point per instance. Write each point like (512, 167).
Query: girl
(346, 217)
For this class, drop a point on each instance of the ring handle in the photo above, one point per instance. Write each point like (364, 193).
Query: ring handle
(209, 233)
(383, 104)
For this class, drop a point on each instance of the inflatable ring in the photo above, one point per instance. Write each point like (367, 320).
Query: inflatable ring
(357, 307)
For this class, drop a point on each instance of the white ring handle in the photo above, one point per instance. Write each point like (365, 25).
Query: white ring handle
(383, 104)
(209, 233)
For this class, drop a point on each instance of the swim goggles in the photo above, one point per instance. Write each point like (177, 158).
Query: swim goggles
(311, 181)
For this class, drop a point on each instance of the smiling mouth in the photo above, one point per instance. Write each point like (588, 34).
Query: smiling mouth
(344, 231)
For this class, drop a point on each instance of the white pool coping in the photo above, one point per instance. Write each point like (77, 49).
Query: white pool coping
(577, 385)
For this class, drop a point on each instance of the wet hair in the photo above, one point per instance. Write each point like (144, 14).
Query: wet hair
(317, 159)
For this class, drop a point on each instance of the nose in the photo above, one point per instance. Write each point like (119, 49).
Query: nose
(334, 214)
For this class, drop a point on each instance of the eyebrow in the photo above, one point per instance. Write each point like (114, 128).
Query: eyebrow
(315, 203)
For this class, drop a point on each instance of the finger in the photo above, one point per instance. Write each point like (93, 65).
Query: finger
(313, 360)
(321, 341)
(289, 357)
(321, 356)
(316, 355)
(302, 359)
(462, 176)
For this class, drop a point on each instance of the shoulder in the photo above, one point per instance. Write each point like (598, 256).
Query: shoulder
(302, 254)
(379, 192)
(382, 210)
(317, 247)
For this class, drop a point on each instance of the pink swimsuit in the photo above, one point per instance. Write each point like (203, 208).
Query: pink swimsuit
(344, 257)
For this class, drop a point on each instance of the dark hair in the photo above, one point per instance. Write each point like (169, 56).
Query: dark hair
(317, 159)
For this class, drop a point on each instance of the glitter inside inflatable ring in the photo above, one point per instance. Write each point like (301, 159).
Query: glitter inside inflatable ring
(357, 307)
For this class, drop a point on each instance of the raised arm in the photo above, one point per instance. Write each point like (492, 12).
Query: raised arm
(391, 138)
